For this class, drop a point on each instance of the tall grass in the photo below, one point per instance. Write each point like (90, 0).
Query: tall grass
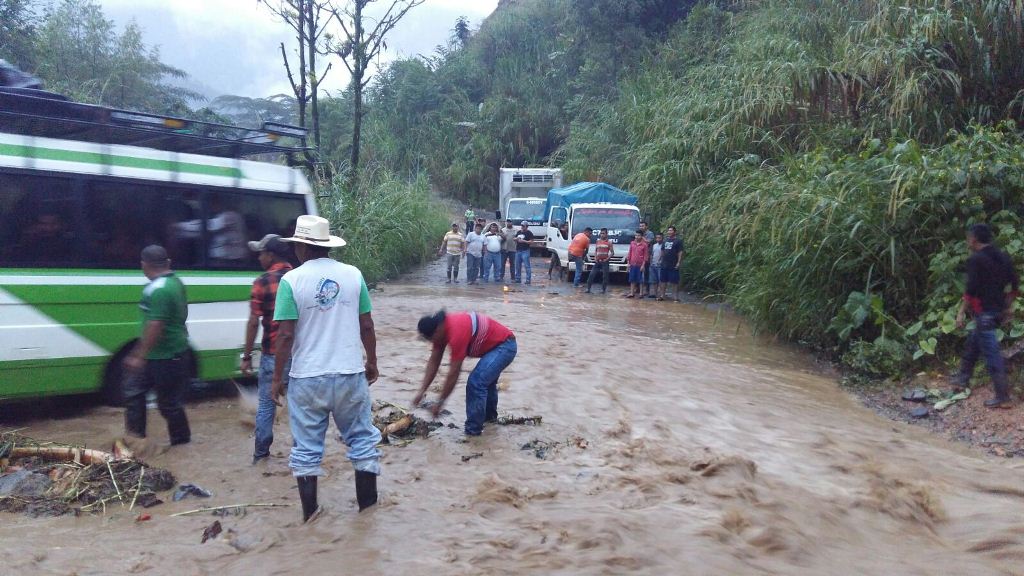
(392, 225)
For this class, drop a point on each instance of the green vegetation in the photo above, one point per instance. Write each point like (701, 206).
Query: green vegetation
(393, 225)
(821, 157)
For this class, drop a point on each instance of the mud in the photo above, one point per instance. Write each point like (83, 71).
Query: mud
(703, 450)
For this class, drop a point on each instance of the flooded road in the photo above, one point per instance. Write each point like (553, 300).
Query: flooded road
(672, 442)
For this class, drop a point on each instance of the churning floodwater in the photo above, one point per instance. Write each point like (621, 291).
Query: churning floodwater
(673, 442)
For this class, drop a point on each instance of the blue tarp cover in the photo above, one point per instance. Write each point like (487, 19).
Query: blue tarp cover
(585, 192)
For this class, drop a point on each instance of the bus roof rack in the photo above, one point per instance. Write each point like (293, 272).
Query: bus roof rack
(38, 113)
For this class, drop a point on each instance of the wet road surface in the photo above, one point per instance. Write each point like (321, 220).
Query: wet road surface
(672, 441)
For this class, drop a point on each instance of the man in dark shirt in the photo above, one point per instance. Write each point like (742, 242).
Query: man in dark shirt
(671, 259)
(273, 257)
(989, 271)
(524, 238)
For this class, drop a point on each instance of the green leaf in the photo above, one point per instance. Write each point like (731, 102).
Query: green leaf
(928, 346)
(1017, 330)
(915, 328)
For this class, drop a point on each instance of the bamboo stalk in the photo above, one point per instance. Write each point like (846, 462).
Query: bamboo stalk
(114, 480)
(142, 472)
(214, 508)
(66, 453)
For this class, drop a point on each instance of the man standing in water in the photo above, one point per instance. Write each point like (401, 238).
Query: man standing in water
(323, 310)
(524, 240)
(578, 253)
(648, 235)
(158, 360)
(273, 257)
(989, 272)
(492, 254)
(508, 252)
(470, 219)
(671, 259)
(603, 252)
(477, 336)
(454, 245)
(475, 253)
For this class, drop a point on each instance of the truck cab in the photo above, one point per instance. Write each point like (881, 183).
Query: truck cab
(522, 196)
(595, 205)
(531, 211)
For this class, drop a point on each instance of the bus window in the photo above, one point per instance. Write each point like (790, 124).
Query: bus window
(236, 218)
(121, 221)
(37, 221)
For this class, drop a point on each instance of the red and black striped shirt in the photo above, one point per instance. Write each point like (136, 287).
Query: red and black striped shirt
(261, 302)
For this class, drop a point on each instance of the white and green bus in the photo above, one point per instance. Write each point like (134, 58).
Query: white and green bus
(82, 190)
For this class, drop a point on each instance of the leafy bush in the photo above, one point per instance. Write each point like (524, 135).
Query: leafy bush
(393, 225)
(881, 358)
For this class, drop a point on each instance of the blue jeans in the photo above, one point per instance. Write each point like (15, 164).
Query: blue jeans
(982, 342)
(579, 269)
(521, 257)
(482, 386)
(492, 260)
(266, 410)
(346, 397)
(473, 265)
(507, 256)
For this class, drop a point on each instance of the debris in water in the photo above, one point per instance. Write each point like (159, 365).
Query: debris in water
(186, 490)
(72, 479)
(915, 395)
(540, 448)
(468, 457)
(919, 412)
(509, 419)
(211, 531)
(394, 421)
(143, 517)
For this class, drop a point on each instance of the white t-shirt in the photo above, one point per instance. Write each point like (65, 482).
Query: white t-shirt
(326, 298)
(493, 242)
(475, 244)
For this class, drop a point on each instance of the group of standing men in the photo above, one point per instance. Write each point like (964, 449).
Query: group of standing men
(486, 253)
(653, 259)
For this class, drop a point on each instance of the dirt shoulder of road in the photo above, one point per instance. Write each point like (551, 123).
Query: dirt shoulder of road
(999, 432)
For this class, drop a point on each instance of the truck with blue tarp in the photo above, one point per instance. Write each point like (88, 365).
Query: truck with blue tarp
(595, 205)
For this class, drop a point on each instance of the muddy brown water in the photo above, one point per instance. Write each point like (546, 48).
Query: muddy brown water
(679, 444)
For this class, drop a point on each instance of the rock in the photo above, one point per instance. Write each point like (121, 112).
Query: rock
(919, 412)
(24, 483)
(915, 395)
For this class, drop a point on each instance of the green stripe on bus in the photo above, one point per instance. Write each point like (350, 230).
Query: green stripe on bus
(185, 274)
(108, 315)
(116, 160)
(59, 376)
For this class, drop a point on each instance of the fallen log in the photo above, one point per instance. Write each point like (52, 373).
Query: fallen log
(62, 453)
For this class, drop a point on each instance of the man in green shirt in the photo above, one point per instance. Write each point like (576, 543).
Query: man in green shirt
(158, 360)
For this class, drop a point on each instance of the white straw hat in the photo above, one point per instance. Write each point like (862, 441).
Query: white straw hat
(316, 231)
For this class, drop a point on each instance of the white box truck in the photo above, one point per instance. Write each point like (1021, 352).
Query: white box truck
(522, 193)
(595, 205)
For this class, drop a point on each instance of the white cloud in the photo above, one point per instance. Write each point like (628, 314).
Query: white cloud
(232, 46)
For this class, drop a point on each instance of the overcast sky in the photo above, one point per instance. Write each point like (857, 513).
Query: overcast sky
(231, 46)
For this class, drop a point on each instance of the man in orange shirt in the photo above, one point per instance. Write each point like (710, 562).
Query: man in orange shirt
(578, 253)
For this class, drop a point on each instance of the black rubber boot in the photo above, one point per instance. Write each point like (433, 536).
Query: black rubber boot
(307, 494)
(366, 489)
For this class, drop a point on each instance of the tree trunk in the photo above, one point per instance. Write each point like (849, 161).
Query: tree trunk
(314, 82)
(359, 58)
(303, 77)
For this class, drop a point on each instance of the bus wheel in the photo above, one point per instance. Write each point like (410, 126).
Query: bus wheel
(112, 393)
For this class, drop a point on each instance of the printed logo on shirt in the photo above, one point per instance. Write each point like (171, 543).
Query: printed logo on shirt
(326, 293)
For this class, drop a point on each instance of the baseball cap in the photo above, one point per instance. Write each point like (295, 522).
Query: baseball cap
(524, 223)
(270, 243)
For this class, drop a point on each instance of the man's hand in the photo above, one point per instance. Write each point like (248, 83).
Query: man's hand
(371, 373)
(435, 410)
(277, 390)
(133, 363)
(418, 398)
(246, 367)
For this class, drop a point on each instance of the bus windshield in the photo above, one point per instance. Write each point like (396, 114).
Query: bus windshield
(529, 210)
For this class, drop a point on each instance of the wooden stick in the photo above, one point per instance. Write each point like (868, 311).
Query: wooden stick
(114, 480)
(142, 472)
(214, 508)
(65, 453)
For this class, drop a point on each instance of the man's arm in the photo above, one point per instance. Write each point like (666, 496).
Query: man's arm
(250, 339)
(282, 354)
(449, 384)
(436, 353)
(151, 334)
(369, 338)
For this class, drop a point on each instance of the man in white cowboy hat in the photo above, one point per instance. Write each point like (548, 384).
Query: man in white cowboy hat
(323, 310)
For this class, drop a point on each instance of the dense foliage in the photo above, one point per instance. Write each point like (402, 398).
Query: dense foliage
(821, 157)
